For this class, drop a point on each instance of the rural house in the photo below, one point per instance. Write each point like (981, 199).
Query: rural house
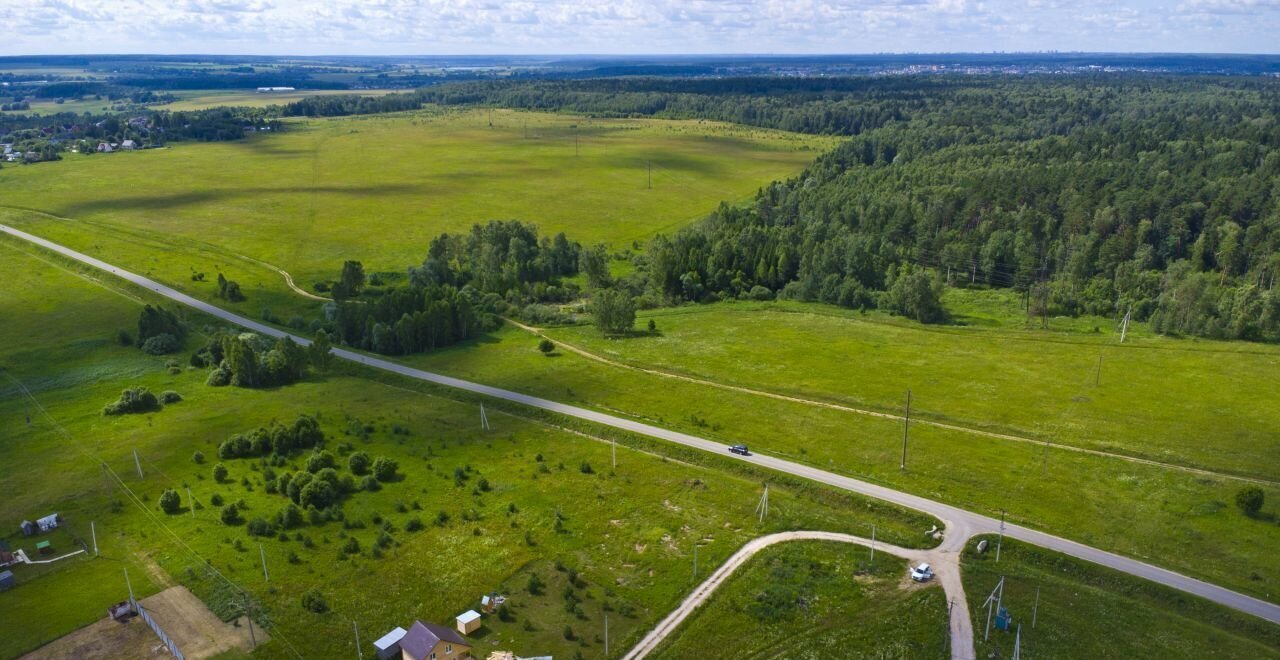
(428, 641)
(49, 522)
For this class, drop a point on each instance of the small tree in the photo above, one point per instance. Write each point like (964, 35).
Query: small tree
(170, 502)
(313, 601)
(318, 352)
(384, 469)
(535, 585)
(614, 311)
(230, 515)
(1250, 500)
(198, 457)
(547, 347)
(653, 327)
(359, 463)
(219, 473)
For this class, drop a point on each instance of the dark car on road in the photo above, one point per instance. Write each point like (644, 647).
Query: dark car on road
(739, 449)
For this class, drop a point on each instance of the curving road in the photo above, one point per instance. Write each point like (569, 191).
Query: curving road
(960, 524)
(944, 563)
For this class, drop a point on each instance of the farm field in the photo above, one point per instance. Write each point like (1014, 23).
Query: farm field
(814, 599)
(292, 199)
(1183, 521)
(1092, 612)
(201, 99)
(496, 507)
(1192, 403)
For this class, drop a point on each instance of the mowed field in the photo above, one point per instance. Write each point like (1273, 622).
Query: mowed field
(379, 188)
(496, 507)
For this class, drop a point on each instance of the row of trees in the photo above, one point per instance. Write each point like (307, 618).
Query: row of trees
(250, 360)
(275, 439)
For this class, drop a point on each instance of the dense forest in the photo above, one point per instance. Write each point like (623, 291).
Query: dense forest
(1155, 197)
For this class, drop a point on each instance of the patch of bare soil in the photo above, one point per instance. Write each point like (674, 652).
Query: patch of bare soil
(104, 640)
(195, 630)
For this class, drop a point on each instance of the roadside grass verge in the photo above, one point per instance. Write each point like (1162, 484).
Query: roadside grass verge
(815, 599)
(1088, 611)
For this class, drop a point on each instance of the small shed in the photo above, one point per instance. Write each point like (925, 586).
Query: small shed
(44, 548)
(388, 645)
(469, 622)
(7, 580)
(29, 528)
(49, 522)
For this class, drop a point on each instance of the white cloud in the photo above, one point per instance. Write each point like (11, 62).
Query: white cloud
(633, 26)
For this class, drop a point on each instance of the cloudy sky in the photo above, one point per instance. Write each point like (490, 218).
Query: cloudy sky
(398, 27)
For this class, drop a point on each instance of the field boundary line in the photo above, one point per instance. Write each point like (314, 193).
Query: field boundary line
(889, 416)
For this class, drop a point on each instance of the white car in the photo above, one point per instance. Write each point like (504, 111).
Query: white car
(922, 573)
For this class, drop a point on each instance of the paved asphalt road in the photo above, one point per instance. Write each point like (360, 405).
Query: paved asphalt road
(960, 524)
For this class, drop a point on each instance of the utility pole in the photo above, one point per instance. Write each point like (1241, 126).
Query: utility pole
(137, 462)
(484, 419)
(263, 553)
(192, 501)
(1017, 644)
(614, 442)
(575, 140)
(906, 424)
(606, 635)
(94, 532)
(359, 652)
(996, 595)
(873, 544)
(649, 164)
(1035, 608)
(1097, 378)
(1000, 542)
(130, 585)
(247, 617)
(763, 507)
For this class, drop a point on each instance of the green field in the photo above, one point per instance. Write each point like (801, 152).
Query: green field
(1169, 400)
(814, 599)
(629, 534)
(1086, 611)
(1184, 521)
(379, 188)
(210, 98)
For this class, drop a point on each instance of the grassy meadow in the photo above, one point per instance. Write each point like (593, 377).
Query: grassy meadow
(1184, 521)
(488, 502)
(379, 188)
(1087, 611)
(815, 599)
(1193, 403)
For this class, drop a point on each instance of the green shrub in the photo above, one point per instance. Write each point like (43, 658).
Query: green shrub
(170, 502)
(219, 473)
(162, 344)
(313, 601)
(1250, 500)
(198, 458)
(230, 515)
(169, 396)
(358, 463)
(384, 469)
(131, 401)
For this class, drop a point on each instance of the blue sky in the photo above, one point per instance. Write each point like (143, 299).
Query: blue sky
(398, 27)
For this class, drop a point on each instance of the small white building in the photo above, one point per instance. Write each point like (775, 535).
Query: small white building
(128, 145)
(104, 148)
(49, 522)
(468, 622)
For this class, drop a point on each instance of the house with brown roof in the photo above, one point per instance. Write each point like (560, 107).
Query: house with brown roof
(428, 641)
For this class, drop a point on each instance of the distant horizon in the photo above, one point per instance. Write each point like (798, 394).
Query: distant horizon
(640, 55)
(546, 27)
